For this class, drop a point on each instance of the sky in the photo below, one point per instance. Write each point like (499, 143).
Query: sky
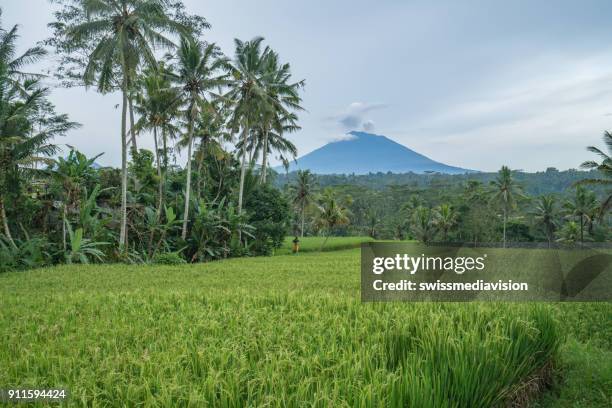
(473, 83)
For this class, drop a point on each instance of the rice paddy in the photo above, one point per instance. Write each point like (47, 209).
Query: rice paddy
(282, 331)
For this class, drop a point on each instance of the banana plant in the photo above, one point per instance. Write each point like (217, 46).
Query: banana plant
(82, 249)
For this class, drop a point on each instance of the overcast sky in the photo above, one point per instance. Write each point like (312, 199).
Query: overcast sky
(475, 84)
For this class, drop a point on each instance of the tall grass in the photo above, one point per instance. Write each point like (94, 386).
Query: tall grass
(282, 331)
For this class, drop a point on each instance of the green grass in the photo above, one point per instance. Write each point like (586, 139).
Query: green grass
(281, 331)
(313, 244)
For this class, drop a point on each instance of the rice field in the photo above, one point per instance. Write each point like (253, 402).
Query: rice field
(314, 244)
(282, 331)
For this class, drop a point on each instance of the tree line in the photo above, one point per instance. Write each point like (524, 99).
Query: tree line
(463, 209)
(176, 88)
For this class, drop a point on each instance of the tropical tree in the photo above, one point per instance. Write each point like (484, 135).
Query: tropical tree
(260, 93)
(117, 35)
(422, 224)
(72, 173)
(282, 96)
(157, 104)
(545, 215)
(570, 233)
(198, 75)
(246, 95)
(445, 218)
(331, 213)
(23, 104)
(583, 207)
(302, 192)
(604, 167)
(505, 194)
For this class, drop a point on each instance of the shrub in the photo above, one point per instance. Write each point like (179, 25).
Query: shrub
(269, 214)
(168, 258)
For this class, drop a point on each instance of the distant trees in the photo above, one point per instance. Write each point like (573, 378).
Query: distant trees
(302, 194)
(445, 218)
(605, 169)
(505, 194)
(330, 213)
(545, 215)
(582, 207)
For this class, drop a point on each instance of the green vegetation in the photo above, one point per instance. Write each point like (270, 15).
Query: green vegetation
(311, 244)
(269, 331)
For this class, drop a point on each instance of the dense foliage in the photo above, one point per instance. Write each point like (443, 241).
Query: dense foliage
(193, 99)
(503, 208)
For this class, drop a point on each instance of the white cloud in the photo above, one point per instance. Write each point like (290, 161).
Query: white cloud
(353, 117)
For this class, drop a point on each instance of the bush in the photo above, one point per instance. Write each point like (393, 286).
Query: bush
(168, 258)
(268, 212)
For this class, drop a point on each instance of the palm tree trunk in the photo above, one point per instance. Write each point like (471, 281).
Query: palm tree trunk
(505, 219)
(64, 227)
(264, 163)
(324, 241)
(160, 188)
(188, 186)
(132, 132)
(123, 231)
(245, 132)
(7, 230)
(581, 230)
(303, 211)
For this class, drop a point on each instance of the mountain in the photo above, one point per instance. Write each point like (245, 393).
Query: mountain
(364, 153)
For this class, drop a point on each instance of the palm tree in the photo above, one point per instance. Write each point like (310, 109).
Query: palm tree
(209, 133)
(121, 34)
(246, 94)
(605, 168)
(330, 214)
(505, 194)
(569, 233)
(445, 218)
(282, 95)
(545, 214)
(157, 103)
(197, 75)
(23, 145)
(582, 206)
(303, 194)
(259, 90)
(422, 224)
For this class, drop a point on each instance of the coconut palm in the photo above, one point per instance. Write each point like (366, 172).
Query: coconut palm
(197, 77)
(246, 95)
(604, 167)
(22, 103)
(120, 35)
(11, 65)
(505, 194)
(270, 137)
(545, 214)
(331, 213)
(583, 207)
(422, 224)
(302, 192)
(209, 134)
(258, 90)
(276, 117)
(569, 233)
(445, 218)
(157, 103)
